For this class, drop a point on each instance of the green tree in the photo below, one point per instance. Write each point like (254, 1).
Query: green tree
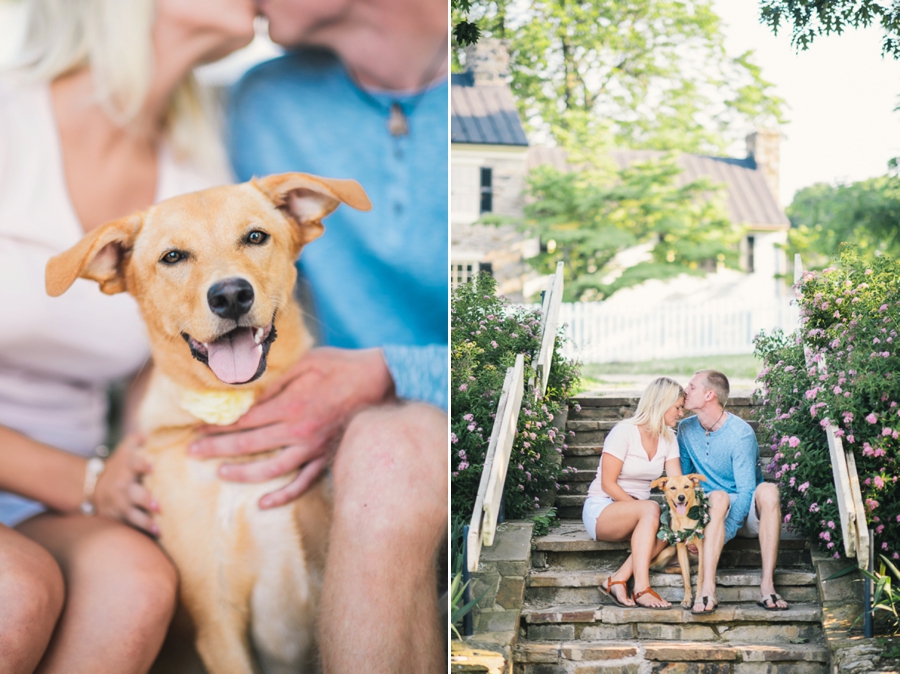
(655, 70)
(866, 213)
(809, 19)
(586, 217)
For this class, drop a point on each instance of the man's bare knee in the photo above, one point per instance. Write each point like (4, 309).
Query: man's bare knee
(396, 456)
(719, 504)
(767, 497)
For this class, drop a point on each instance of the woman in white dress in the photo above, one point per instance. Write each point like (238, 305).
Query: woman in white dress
(101, 118)
(618, 506)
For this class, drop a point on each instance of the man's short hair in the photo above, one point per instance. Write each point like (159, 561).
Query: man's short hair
(718, 382)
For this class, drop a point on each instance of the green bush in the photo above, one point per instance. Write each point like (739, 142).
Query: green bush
(486, 335)
(851, 325)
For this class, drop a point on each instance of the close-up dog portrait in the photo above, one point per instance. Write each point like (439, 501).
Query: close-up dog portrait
(213, 275)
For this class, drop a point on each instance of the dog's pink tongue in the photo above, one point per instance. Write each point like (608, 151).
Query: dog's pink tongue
(235, 357)
(681, 508)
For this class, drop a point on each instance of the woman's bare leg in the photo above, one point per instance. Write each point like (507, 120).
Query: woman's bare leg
(639, 521)
(31, 594)
(120, 594)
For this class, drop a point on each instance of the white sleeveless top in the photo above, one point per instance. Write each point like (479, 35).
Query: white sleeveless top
(638, 471)
(57, 355)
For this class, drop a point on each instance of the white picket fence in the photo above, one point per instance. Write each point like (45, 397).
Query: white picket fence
(601, 333)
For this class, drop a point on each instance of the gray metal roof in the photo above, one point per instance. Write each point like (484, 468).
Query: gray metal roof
(749, 199)
(483, 114)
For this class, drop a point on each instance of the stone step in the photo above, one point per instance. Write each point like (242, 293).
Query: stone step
(726, 614)
(568, 546)
(574, 487)
(737, 622)
(596, 407)
(546, 588)
(587, 458)
(695, 656)
(593, 432)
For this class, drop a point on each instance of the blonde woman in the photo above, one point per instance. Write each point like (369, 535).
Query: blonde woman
(100, 118)
(618, 507)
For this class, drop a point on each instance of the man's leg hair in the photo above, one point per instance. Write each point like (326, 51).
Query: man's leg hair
(379, 601)
(713, 541)
(768, 507)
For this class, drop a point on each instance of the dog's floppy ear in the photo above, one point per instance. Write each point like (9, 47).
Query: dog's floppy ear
(659, 483)
(99, 256)
(307, 199)
(696, 478)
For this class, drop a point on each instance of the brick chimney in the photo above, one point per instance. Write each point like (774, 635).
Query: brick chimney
(763, 148)
(488, 61)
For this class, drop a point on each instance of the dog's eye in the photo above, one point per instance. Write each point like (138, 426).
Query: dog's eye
(173, 257)
(256, 238)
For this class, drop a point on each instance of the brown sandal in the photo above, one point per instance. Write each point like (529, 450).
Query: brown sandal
(608, 590)
(651, 591)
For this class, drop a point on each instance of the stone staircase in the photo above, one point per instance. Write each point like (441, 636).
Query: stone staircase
(568, 627)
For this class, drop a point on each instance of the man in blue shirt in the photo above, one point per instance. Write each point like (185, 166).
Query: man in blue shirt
(723, 448)
(362, 93)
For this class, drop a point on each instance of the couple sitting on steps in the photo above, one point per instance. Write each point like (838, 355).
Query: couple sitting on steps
(714, 443)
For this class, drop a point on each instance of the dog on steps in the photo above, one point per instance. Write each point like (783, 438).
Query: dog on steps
(213, 274)
(688, 514)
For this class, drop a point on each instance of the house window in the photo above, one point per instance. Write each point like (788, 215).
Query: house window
(463, 271)
(751, 240)
(487, 189)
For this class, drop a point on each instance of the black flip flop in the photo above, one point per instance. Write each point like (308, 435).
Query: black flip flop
(774, 599)
(609, 593)
(704, 611)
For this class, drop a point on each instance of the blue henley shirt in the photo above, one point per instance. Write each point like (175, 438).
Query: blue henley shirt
(378, 279)
(728, 458)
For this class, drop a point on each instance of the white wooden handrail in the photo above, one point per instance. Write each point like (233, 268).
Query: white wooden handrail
(496, 461)
(483, 525)
(854, 529)
(549, 322)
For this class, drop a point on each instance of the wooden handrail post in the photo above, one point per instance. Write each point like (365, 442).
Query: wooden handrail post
(496, 461)
(854, 528)
(549, 322)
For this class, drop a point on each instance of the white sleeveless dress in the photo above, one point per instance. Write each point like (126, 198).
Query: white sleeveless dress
(58, 356)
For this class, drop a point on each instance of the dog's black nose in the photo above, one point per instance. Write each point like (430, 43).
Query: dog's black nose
(231, 298)
(681, 497)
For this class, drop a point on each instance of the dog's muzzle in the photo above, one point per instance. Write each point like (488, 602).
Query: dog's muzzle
(238, 356)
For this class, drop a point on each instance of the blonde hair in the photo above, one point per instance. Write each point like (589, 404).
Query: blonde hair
(716, 382)
(658, 397)
(114, 39)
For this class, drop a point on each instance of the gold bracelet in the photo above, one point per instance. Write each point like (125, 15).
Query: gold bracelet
(95, 466)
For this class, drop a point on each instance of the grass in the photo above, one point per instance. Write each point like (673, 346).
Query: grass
(743, 367)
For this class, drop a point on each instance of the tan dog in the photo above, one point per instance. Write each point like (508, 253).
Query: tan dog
(680, 493)
(213, 273)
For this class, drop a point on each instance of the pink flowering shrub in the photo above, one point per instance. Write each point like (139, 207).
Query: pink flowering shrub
(486, 335)
(852, 321)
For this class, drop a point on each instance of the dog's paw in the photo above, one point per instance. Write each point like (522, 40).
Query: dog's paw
(688, 603)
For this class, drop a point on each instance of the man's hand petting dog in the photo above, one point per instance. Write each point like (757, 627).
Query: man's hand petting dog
(303, 414)
(120, 494)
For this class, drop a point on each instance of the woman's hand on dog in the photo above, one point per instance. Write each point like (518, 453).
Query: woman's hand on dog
(302, 415)
(119, 493)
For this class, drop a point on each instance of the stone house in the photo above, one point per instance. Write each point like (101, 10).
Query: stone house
(488, 163)
(490, 157)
